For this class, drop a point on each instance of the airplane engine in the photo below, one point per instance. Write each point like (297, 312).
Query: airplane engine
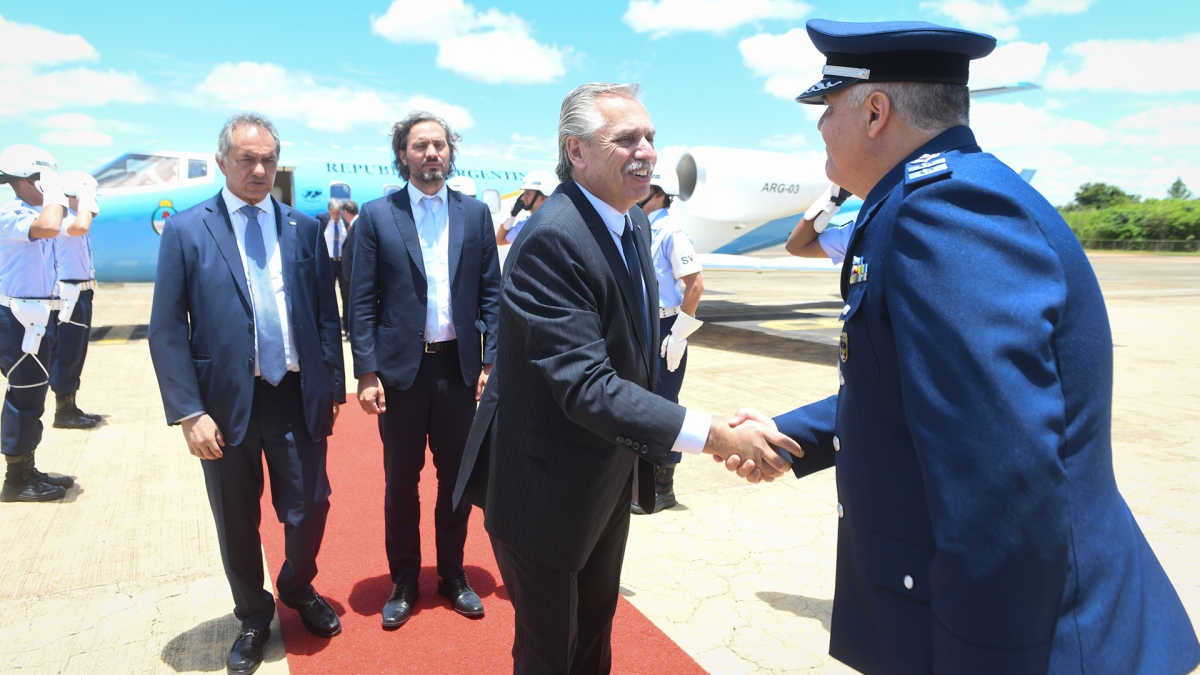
(747, 186)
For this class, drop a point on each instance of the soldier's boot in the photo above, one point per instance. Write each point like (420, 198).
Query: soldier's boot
(664, 490)
(68, 416)
(22, 485)
(55, 479)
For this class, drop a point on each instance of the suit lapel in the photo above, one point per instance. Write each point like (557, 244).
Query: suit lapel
(859, 226)
(221, 228)
(600, 233)
(454, 244)
(286, 230)
(407, 227)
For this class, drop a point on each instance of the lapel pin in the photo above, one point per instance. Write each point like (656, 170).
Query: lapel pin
(292, 223)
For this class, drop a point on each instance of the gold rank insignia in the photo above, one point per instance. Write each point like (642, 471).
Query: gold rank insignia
(844, 347)
(858, 270)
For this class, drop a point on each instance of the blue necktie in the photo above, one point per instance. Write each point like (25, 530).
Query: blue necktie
(634, 264)
(272, 364)
(337, 239)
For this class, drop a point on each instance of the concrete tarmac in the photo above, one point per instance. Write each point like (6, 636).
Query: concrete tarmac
(124, 574)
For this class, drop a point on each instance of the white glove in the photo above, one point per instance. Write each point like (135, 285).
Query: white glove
(50, 185)
(675, 344)
(87, 199)
(826, 207)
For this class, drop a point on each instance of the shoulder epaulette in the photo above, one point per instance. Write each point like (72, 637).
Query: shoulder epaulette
(925, 169)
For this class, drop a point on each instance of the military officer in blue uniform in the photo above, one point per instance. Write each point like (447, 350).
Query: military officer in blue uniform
(980, 526)
(28, 316)
(76, 285)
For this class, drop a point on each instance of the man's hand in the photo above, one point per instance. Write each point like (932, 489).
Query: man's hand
(826, 207)
(203, 438)
(50, 185)
(734, 462)
(750, 448)
(370, 394)
(337, 407)
(518, 207)
(483, 378)
(675, 344)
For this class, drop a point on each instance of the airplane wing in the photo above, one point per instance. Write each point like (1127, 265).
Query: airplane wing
(1004, 89)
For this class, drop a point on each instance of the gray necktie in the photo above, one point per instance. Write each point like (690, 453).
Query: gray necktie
(272, 364)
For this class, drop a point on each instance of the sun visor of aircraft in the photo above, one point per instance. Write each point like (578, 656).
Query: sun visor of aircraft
(746, 186)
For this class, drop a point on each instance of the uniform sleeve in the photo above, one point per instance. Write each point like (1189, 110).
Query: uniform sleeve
(835, 241)
(15, 221)
(682, 254)
(974, 301)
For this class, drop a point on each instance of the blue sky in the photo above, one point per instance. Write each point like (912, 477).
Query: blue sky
(1119, 99)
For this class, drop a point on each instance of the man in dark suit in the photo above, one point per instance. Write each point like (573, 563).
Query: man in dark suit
(424, 298)
(980, 529)
(350, 215)
(245, 341)
(335, 230)
(569, 416)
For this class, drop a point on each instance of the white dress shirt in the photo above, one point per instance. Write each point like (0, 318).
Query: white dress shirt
(435, 246)
(694, 432)
(266, 220)
(336, 229)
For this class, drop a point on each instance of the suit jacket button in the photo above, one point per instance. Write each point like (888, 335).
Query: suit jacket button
(629, 442)
(837, 444)
(841, 511)
(250, 362)
(908, 581)
(620, 439)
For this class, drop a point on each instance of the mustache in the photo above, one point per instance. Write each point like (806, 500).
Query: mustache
(638, 165)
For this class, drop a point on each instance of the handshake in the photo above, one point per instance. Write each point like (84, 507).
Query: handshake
(750, 445)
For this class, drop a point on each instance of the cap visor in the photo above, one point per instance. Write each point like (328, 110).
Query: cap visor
(816, 93)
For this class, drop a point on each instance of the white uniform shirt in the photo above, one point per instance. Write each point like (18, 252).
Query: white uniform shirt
(835, 240)
(336, 229)
(73, 253)
(26, 265)
(511, 236)
(435, 246)
(674, 257)
(266, 220)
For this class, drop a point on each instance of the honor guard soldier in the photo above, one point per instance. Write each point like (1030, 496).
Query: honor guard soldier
(76, 286)
(28, 225)
(980, 529)
(679, 288)
(537, 188)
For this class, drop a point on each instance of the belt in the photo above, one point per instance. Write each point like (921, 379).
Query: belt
(665, 312)
(55, 303)
(89, 285)
(335, 259)
(435, 347)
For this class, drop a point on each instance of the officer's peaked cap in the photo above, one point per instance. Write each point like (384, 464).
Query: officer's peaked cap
(892, 51)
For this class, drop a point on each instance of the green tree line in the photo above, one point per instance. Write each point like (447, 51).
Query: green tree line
(1102, 211)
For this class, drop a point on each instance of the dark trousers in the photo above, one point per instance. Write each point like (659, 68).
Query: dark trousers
(72, 347)
(438, 407)
(669, 384)
(21, 420)
(299, 493)
(343, 288)
(564, 619)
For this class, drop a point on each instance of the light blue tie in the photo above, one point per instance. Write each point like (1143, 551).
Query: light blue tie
(272, 364)
(337, 239)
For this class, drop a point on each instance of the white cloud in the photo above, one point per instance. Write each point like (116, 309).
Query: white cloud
(1043, 7)
(664, 17)
(519, 147)
(282, 94)
(1009, 64)
(789, 62)
(985, 16)
(26, 45)
(787, 141)
(75, 129)
(1163, 127)
(490, 47)
(40, 92)
(1137, 66)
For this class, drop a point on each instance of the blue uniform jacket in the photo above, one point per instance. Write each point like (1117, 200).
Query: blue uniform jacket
(980, 529)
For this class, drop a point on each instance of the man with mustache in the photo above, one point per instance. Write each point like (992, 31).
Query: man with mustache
(423, 296)
(570, 416)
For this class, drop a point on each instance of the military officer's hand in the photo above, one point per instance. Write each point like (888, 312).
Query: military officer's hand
(203, 437)
(370, 394)
(750, 449)
(483, 378)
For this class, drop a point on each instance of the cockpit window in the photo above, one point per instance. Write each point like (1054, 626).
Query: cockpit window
(197, 168)
(138, 170)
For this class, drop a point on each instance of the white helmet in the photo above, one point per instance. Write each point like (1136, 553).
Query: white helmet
(462, 184)
(23, 161)
(666, 178)
(542, 181)
(74, 181)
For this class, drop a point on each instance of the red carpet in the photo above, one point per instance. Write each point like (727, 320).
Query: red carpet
(354, 579)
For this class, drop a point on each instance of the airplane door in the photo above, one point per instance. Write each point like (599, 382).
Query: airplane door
(285, 185)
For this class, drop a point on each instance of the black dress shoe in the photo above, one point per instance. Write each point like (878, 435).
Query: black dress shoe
(318, 617)
(399, 607)
(247, 653)
(465, 600)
